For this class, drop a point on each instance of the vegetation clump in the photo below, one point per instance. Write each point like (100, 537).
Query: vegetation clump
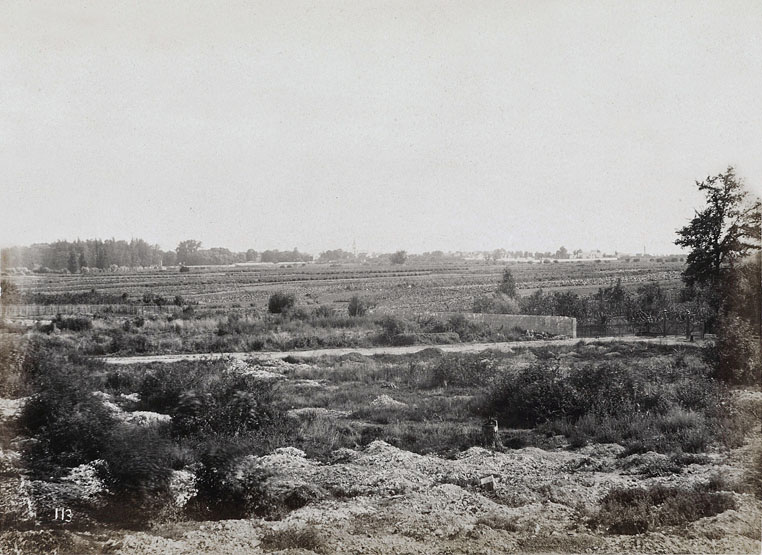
(649, 404)
(201, 418)
(357, 306)
(639, 510)
(281, 302)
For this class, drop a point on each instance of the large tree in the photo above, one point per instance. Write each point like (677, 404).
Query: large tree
(726, 230)
(186, 251)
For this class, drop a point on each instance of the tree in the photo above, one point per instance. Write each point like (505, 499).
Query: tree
(72, 265)
(726, 230)
(186, 251)
(399, 257)
(508, 284)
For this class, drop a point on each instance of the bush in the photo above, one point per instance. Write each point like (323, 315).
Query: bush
(535, 395)
(10, 292)
(507, 285)
(392, 326)
(460, 370)
(637, 510)
(71, 426)
(466, 329)
(280, 302)
(74, 323)
(218, 417)
(138, 460)
(641, 405)
(357, 306)
(230, 406)
(398, 257)
(496, 304)
(324, 311)
(736, 355)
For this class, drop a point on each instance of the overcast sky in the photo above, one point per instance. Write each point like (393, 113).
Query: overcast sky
(398, 125)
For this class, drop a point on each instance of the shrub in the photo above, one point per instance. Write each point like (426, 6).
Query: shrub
(74, 323)
(638, 510)
(736, 355)
(496, 304)
(508, 284)
(398, 257)
(458, 370)
(357, 306)
(138, 460)
(280, 302)
(71, 426)
(466, 329)
(230, 406)
(392, 326)
(219, 496)
(535, 395)
(641, 405)
(218, 417)
(10, 292)
(324, 311)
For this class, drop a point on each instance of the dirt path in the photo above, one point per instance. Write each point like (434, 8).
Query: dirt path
(370, 351)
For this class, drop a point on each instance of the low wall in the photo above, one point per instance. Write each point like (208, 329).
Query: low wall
(556, 325)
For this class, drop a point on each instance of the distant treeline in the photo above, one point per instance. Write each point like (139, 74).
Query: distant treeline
(78, 256)
(110, 254)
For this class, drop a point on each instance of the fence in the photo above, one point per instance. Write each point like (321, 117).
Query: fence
(685, 328)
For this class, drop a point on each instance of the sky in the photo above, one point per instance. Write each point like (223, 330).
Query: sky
(387, 124)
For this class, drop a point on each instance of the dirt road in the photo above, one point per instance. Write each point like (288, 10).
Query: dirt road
(370, 351)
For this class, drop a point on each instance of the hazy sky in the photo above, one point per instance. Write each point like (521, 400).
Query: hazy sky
(399, 125)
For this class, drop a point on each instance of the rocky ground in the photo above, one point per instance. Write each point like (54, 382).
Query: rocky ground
(381, 499)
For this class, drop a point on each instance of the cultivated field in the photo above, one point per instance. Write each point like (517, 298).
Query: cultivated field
(450, 287)
(213, 310)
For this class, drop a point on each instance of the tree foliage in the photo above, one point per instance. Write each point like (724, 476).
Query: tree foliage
(399, 257)
(726, 230)
(281, 302)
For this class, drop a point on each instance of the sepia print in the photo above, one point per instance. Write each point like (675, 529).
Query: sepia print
(380, 277)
